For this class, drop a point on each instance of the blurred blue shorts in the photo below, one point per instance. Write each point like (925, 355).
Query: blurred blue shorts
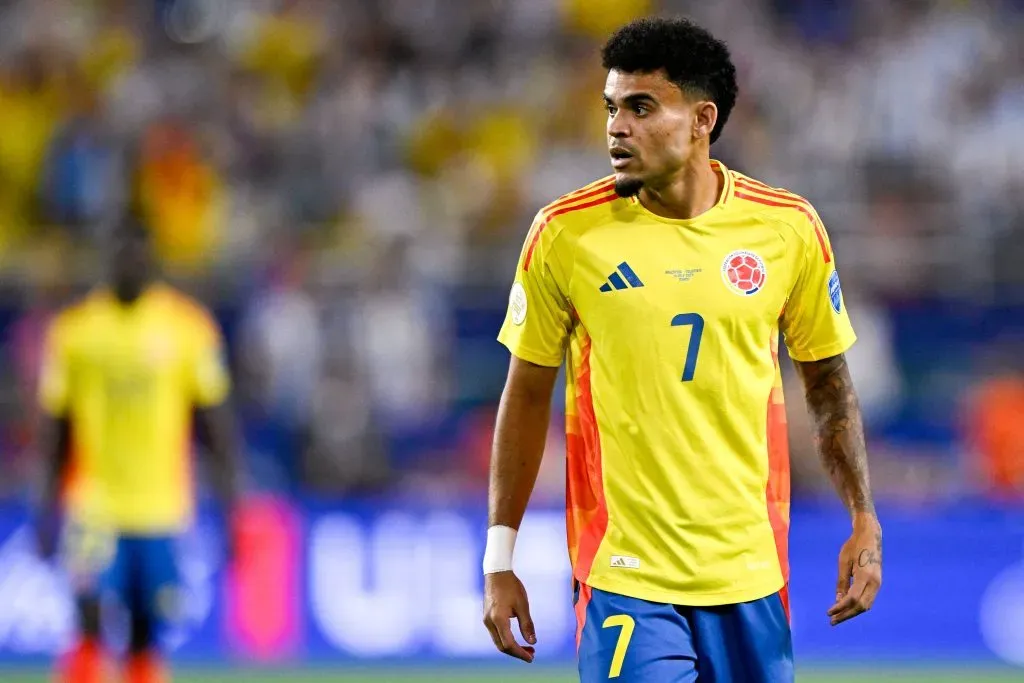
(140, 572)
(626, 639)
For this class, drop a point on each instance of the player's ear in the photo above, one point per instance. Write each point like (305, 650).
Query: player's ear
(705, 119)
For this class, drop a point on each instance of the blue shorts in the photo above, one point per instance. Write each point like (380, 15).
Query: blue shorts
(139, 572)
(627, 639)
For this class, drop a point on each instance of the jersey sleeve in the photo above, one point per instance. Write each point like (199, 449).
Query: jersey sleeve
(539, 316)
(55, 373)
(815, 323)
(207, 372)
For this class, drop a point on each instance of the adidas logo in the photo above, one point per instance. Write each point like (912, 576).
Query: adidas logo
(625, 562)
(619, 279)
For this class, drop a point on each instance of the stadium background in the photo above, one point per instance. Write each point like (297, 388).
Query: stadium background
(347, 183)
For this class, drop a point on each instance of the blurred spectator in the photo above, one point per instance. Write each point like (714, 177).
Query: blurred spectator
(282, 363)
(397, 330)
(182, 196)
(81, 185)
(995, 427)
(32, 90)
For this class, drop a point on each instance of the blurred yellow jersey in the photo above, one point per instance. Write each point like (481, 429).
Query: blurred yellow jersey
(127, 378)
(678, 465)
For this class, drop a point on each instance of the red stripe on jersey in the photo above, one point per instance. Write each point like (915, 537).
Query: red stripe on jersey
(799, 202)
(559, 212)
(764, 190)
(581, 612)
(777, 490)
(786, 203)
(592, 190)
(595, 188)
(747, 180)
(586, 507)
(758, 186)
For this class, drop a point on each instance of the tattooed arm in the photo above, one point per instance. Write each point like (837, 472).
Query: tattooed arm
(839, 437)
(838, 432)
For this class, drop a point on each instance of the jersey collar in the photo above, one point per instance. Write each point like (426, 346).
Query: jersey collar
(728, 185)
(154, 291)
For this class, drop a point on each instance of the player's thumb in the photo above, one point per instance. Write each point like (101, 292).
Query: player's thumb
(526, 621)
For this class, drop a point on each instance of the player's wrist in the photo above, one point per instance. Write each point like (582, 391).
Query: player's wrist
(501, 542)
(865, 519)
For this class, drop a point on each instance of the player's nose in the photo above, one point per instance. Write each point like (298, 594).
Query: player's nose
(618, 128)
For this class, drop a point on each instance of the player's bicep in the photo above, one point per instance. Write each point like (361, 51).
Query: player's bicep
(533, 382)
(815, 322)
(539, 316)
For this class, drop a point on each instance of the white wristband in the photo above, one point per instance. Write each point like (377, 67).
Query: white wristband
(501, 540)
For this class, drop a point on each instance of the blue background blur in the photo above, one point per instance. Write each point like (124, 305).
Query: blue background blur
(330, 584)
(348, 183)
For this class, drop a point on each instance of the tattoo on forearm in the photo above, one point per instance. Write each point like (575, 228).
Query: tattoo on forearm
(839, 431)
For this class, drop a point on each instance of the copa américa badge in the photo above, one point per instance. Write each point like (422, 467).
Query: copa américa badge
(517, 303)
(835, 292)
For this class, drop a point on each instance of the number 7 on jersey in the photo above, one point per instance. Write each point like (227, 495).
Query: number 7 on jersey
(697, 322)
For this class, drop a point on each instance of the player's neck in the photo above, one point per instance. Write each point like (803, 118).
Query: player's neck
(130, 295)
(693, 191)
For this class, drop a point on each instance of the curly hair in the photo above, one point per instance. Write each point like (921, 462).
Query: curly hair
(692, 58)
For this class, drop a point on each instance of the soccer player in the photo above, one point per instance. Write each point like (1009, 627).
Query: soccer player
(664, 288)
(124, 371)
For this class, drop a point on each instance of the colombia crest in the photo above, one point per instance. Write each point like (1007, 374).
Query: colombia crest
(744, 273)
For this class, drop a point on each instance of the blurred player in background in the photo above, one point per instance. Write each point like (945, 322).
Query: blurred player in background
(124, 372)
(664, 288)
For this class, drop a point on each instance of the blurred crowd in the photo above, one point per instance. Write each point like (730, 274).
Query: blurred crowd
(347, 184)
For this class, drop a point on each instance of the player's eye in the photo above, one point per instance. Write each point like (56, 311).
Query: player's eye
(611, 109)
(641, 110)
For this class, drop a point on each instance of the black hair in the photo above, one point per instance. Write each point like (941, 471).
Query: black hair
(692, 58)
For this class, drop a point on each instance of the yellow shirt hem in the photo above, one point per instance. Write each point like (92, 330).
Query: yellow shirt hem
(531, 356)
(687, 598)
(823, 352)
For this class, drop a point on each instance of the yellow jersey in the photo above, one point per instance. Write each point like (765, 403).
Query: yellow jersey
(677, 454)
(128, 377)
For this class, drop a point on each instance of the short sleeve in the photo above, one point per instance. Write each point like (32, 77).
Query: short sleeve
(55, 373)
(538, 320)
(815, 323)
(207, 371)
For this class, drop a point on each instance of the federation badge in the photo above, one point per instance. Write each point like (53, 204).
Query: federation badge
(517, 304)
(744, 273)
(835, 292)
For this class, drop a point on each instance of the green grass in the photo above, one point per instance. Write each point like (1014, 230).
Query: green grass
(523, 675)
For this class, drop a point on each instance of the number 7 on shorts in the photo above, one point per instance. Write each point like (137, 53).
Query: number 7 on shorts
(626, 624)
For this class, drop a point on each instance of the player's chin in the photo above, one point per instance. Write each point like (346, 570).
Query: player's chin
(628, 184)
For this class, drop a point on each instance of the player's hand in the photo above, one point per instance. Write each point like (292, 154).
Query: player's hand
(504, 598)
(860, 561)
